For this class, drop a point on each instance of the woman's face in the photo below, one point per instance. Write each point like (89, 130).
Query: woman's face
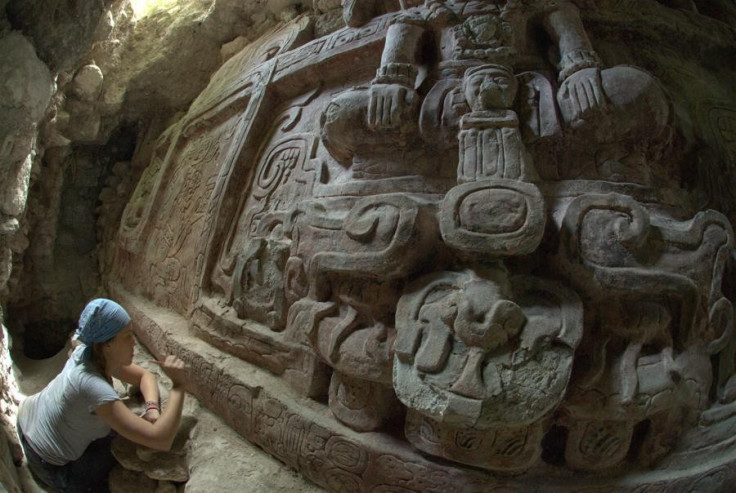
(119, 350)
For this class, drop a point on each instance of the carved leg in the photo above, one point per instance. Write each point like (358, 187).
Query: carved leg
(636, 106)
(628, 379)
(343, 124)
(622, 136)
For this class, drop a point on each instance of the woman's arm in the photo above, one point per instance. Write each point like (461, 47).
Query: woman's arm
(146, 382)
(159, 435)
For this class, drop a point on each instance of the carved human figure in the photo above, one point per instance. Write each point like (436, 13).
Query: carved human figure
(490, 144)
(622, 109)
(476, 32)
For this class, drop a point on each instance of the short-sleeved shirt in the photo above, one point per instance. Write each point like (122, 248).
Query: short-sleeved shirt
(59, 422)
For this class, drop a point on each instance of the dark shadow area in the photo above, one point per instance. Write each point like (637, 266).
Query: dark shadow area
(45, 338)
(553, 446)
(59, 272)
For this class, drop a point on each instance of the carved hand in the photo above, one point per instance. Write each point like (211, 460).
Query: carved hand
(391, 106)
(581, 95)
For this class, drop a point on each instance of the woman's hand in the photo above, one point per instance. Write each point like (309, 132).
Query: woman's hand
(151, 415)
(154, 429)
(176, 370)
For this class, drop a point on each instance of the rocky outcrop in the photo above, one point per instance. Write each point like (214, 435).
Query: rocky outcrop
(11, 454)
(26, 91)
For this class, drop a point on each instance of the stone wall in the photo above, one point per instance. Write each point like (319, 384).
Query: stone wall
(11, 454)
(498, 232)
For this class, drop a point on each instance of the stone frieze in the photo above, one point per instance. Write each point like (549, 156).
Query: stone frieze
(456, 225)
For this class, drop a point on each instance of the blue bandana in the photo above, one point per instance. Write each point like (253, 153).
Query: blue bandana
(100, 321)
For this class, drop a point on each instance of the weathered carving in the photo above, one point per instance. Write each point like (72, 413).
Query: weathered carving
(501, 217)
(663, 317)
(361, 404)
(485, 355)
(504, 448)
(350, 325)
(135, 211)
(275, 185)
(457, 219)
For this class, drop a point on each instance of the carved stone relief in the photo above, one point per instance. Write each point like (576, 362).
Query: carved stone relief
(481, 361)
(474, 237)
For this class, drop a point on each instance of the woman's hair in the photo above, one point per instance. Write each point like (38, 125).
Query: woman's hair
(97, 357)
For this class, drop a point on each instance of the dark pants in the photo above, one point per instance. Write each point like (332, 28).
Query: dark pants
(87, 474)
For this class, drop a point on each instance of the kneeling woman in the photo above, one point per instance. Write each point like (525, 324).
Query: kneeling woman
(65, 428)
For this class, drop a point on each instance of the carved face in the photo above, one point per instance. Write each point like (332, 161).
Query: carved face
(491, 88)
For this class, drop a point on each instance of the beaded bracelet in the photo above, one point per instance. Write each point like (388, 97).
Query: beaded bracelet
(152, 405)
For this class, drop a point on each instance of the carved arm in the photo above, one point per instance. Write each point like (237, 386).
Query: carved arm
(392, 97)
(579, 65)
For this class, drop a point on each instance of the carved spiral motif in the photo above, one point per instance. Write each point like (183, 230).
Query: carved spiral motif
(279, 163)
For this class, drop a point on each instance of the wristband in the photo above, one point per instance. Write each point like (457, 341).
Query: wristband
(576, 60)
(396, 73)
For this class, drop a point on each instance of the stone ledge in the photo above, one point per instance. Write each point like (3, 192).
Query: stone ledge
(302, 433)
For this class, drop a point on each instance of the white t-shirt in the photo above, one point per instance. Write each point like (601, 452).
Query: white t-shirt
(59, 422)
